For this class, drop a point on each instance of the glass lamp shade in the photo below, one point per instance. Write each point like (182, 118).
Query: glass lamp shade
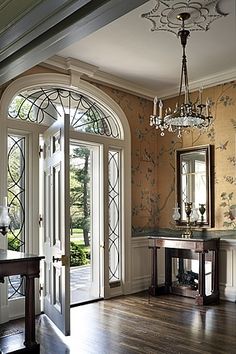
(4, 217)
(176, 214)
(194, 215)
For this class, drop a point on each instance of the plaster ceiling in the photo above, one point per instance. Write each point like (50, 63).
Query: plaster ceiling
(129, 50)
(31, 31)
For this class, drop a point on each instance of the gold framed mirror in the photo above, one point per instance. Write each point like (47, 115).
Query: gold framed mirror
(195, 185)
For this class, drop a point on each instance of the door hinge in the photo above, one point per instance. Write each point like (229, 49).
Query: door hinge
(40, 151)
(40, 220)
(40, 289)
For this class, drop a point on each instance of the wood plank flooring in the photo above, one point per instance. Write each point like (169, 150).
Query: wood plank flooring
(131, 325)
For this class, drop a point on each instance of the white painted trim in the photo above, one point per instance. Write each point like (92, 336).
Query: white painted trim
(227, 243)
(84, 68)
(73, 81)
(94, 74)
(4, 313)
(208, 81)
(140, 284)
(227, 293)
(16, 308)
(141, 241)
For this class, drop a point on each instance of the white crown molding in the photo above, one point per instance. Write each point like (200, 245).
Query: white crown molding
(208, 81)
(94, 74)
(125, 85)
(81, 67)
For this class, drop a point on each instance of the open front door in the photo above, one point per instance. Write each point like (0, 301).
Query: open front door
(56, 214)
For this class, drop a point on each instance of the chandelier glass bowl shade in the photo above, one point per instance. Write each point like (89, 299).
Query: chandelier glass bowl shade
(186, 115)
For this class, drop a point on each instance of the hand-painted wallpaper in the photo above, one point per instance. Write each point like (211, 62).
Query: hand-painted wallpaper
(153, 158)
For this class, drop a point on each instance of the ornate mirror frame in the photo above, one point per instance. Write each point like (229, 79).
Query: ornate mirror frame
(189, 174)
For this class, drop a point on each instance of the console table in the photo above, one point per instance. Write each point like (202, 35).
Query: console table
(14, 263)
(203, 249)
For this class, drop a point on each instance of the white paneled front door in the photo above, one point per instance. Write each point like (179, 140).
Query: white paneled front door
(56, 216)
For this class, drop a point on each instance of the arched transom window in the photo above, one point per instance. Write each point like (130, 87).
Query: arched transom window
(45, 105)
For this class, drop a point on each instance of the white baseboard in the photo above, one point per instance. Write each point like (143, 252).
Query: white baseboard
(227, 293)
(4, 314)
(140, 284)
(17, 308)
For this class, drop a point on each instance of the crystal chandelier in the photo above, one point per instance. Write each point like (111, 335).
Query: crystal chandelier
(186, 115)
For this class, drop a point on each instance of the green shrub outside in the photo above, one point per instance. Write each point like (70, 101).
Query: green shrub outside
(78, 255)
(13, 242)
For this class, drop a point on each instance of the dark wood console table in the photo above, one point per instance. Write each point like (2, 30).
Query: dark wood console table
(14, 263)
(203, 249)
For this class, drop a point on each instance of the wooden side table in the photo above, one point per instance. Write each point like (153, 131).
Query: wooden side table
(203, 249)
(14, 263)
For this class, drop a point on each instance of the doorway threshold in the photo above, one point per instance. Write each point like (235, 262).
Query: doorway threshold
(86, 302)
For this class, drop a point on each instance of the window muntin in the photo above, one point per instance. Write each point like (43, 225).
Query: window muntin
(45, 105)
(16, 201)
(114, 215)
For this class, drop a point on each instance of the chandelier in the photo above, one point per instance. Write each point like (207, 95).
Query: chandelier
(187, 114)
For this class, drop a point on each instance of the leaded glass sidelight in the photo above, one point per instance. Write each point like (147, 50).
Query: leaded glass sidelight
(114, 215)
(16, 202)
(45, 105)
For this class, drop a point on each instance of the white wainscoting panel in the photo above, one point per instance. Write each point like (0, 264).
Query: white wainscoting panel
(227, 270)
(141, 264)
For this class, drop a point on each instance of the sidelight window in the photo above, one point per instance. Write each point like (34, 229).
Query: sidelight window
(16, 202)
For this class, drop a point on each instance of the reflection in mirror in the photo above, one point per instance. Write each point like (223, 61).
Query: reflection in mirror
(194, 185)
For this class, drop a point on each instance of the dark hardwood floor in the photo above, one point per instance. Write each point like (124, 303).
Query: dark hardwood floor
(131, 324)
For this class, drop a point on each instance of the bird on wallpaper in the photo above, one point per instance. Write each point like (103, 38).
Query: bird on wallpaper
(234, 123)
(222, 147)
(148, 157)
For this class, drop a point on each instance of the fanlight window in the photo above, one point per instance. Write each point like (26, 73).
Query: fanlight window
(45, 105)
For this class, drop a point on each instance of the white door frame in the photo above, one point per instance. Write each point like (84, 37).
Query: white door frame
(65, 81)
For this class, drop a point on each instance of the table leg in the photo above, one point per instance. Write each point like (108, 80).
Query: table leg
(201, 280)
(215, 272)
(215, 275)
(29, 312)
(153, 289)
(168, 271)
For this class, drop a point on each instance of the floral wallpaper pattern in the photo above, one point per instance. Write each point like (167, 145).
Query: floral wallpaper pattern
(153, 158)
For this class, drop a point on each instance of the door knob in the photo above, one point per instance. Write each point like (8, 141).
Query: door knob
(56, 259)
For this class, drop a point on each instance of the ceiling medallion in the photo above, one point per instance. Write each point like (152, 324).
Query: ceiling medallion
(164, 15)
